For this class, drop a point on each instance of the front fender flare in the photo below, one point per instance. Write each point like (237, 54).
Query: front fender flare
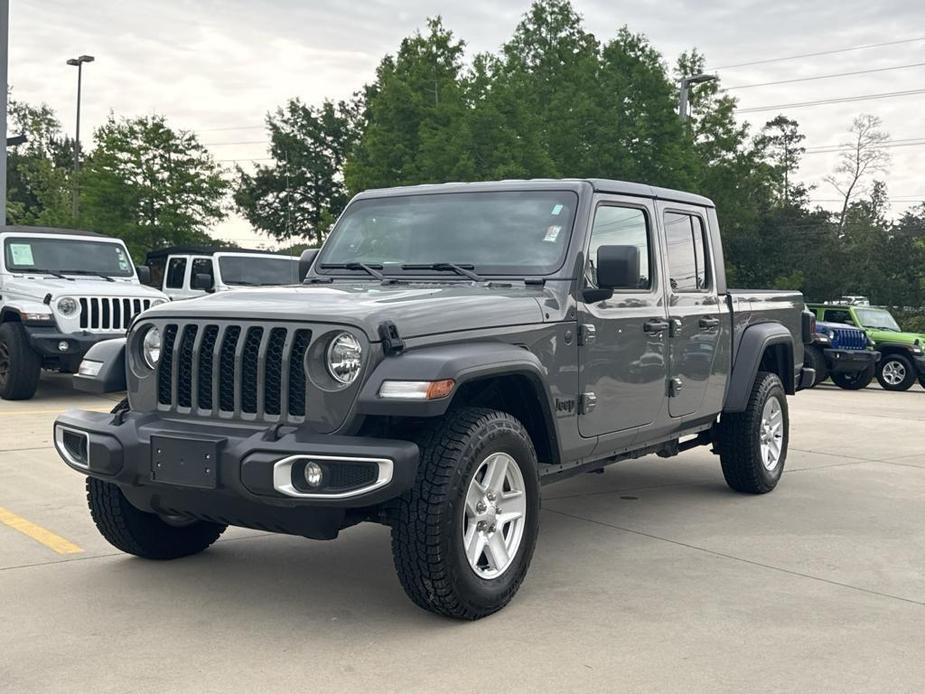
(462, 362)
(755, 341)
(111, 377)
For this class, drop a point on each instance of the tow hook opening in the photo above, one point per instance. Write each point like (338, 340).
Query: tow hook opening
(74, 446)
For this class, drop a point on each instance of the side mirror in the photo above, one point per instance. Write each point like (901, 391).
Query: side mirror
(617, 268)
(203, 281)
(305, 262)
(144, 274)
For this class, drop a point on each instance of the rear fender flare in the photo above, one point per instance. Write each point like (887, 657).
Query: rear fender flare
(754, 343)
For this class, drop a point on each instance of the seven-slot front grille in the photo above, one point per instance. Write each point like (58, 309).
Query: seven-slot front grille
(844, 338)
(110, 313)
(247, 371)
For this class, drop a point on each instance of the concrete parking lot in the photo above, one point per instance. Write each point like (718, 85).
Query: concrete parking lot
(650, 577)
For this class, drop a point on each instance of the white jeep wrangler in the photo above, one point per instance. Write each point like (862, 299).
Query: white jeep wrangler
(61, 291)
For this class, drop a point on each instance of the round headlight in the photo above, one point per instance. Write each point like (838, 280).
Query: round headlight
(344, 358)
(68, 306)
(151, 347)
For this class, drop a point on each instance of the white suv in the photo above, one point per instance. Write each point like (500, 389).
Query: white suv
(61, 291)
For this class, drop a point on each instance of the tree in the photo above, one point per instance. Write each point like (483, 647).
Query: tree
(863, 158)
(781, 141)
(150, 185)
(303, 191)
(38, 171)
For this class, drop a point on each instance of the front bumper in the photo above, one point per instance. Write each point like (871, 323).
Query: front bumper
(849, 360)
(253, 479)
(45, 340)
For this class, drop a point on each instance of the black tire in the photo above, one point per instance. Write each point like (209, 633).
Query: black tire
(144, 534)
(897, 363)
(854, 380)
(20, 367)
(814, 359)
(739, 439)
(427, 542)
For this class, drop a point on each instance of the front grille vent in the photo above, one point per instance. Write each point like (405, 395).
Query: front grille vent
(105, 314)
(247, 371)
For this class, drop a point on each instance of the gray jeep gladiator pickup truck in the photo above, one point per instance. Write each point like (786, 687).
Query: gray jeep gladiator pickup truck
(453, 347)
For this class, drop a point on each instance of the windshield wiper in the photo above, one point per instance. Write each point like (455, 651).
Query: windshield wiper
(368, 269)
(464, 270)
(106, 277)
(53, 273)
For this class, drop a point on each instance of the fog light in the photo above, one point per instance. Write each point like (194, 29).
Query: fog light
(313, 475)
(63, 346)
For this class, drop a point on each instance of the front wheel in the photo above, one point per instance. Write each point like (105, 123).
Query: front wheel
(854, 380)
(143, 534)
(896, 372)
(752, 444)
(464, 535)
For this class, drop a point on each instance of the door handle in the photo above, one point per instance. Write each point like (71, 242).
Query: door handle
(709, 323)
(655, 326)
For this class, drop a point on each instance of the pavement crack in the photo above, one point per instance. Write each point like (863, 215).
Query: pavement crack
(732, 557)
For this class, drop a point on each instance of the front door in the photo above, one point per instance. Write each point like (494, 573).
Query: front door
(623, 341)
(694, 310)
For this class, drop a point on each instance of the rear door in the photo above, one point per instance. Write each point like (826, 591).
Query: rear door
(177, 276)
(623, 340)
(694, 310)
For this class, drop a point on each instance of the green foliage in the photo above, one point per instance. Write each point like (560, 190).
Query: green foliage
(302, 192)
(150, 185)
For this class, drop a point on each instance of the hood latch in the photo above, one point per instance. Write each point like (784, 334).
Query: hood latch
(391, 340)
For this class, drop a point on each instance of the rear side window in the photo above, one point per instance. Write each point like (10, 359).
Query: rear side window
(620, 226)
(176, 269)
(837, 315)
(688, 270)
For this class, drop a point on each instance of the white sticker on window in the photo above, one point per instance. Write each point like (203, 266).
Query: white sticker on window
(552, 233)
(557, 209)
(22, 254)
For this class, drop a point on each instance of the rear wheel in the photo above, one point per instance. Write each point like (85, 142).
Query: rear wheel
(896, 372)
(814, 359)
(752, 444)
(20, 367)
(854, 380)
(463, 536)
(143, 534)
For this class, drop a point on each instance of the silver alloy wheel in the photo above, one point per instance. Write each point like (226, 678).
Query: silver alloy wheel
(494, 515)
(894, 372)
(772, 433)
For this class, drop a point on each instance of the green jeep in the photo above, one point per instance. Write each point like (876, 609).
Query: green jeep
(902, 361)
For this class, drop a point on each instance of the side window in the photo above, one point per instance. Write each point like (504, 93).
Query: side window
(687, 257)
(620, 226)
(837, 315)
(176, 269)
(202, 266)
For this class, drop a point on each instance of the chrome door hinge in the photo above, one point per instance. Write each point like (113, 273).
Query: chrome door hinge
(587, 334)
(586, 403)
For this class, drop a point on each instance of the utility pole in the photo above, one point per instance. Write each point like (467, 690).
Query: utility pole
(4, 54)
(684, 92)
(78, 63)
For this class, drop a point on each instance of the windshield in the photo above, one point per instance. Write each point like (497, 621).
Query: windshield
(521, 233)
(258, 270)
(67, 256)
(877, 318)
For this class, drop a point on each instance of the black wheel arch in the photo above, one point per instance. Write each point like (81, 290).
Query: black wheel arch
(763, 347)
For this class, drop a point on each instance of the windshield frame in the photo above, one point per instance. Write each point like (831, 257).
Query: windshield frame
(395, 271)
(879, 326)
(293, 261)
(98, 242)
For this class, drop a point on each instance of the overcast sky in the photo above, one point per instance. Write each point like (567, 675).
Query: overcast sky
(211, 65)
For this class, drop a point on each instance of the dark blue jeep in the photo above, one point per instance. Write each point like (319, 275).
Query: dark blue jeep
(844, 354)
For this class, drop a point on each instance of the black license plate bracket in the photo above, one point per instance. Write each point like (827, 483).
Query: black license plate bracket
(185, 461)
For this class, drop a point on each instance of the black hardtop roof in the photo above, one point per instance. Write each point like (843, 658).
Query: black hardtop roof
(204, 250)
(601, 185)
(27, 230)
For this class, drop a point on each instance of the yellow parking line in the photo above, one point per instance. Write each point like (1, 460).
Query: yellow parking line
(38, 533)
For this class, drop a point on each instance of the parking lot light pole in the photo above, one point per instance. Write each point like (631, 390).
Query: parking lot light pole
(684, 92)
(78, 63)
